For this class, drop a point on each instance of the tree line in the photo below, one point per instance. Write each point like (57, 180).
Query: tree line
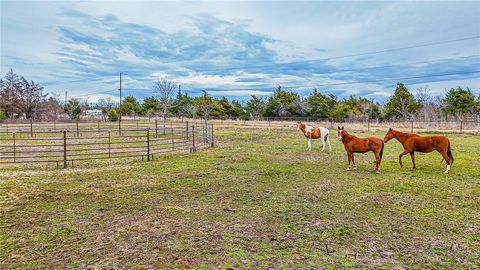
(20, 98)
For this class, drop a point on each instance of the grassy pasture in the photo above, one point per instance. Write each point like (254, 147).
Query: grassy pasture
(257, 200)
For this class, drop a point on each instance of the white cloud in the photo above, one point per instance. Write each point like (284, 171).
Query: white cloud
(305, 30)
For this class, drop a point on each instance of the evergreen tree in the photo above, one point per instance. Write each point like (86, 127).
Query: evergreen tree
(73, 109)
(402, 105)
(319, 105)
(256, 107)
(460, 102)
(150, 105)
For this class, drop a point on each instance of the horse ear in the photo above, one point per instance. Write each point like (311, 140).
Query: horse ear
(390, 129)
(343, 127)
(339, 127)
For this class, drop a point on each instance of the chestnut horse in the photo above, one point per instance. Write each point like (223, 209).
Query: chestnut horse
(354, 144)
(425, 144)
(315, 133)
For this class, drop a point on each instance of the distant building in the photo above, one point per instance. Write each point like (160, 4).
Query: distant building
(92, 114)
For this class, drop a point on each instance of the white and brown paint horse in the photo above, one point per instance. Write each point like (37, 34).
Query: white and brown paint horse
(314, 133)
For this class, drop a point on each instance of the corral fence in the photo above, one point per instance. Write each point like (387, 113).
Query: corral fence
(42, 143)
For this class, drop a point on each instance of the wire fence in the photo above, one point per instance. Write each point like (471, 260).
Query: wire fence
(67, 146)
(158, 125)
(369, 125)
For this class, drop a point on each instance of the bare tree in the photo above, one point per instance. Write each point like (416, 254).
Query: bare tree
(301, 105)
(206, 105)
(429, 108)
(50, 108)
(366, 109)
(165, 89)
(188, 110)
(105, 105)
(31, 97)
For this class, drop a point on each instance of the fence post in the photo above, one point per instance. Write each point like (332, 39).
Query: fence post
(109, 144)
(78, 133)
(98, 125)
(173, 138)
(187, 129)
(212, 135)
(193, 139)
(54, 125)
(148, 144)
(205, 132)
(163, 124)
(412, 126)
(137, 124)
(31, 127)
(64, 149)
(156, 128)
(14, 147)
(461, 127)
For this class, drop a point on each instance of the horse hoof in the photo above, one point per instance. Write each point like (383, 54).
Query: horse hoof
(378, 172)
(348, 169)
(355, 168)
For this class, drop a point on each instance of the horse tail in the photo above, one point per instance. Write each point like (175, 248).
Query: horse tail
(449, 153)
(381, 150)
(326, 137)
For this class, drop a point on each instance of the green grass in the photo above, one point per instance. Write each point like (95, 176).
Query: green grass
(257, 200)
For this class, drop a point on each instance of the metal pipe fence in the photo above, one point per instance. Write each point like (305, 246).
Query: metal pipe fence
(68, 146)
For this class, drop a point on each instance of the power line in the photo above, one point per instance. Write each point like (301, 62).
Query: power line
(343, 83)
(347, 56)
(305, 85)
(331, 58)
(315, 60)
(383, 80)
(93, 93)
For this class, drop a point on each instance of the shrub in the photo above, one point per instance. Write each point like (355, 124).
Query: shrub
(112, 115)
(3, 116)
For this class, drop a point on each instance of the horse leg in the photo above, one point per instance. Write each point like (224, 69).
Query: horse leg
(378, 160)
(353, 161)
(412, 155)
(447, 159)
(309, 145)
(401, 155)
(349, 159)
(329, 145)
(323, 144)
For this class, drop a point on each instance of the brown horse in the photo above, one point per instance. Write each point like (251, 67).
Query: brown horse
(425, 144)
(354, 144)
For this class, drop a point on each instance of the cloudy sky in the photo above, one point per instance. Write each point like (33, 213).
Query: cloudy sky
(238, 49)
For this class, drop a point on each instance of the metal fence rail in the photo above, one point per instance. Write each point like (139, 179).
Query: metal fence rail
(66, 147)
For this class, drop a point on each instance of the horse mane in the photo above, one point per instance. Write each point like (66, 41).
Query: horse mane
(347, 135)
(403, 134)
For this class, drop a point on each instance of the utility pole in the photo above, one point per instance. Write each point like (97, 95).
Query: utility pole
(120, 108)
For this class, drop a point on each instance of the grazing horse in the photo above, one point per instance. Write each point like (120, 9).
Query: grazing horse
(425, 144)
(361, 145)
(314, 133)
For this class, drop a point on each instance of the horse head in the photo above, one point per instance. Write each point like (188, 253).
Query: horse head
(300, 126)
(390, 135)
(341, 133)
